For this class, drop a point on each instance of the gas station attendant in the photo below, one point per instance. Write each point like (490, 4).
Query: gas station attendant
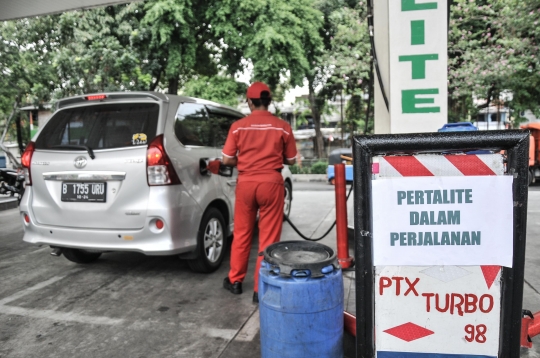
(258, 145)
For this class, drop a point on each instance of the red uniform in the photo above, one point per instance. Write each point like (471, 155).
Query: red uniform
(260, 142)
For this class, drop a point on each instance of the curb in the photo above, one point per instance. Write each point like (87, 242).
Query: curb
(8, 204)
(310, 178)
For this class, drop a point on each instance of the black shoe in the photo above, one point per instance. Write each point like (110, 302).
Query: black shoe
(235, 288)
(255, 297)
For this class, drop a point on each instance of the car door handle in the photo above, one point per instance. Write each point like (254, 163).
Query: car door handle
(231, 182)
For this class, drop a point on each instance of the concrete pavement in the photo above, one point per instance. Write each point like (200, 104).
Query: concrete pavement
(131, 305)
(7, 202)
(310, 178)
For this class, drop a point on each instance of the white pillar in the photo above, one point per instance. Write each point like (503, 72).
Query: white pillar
(411, 45)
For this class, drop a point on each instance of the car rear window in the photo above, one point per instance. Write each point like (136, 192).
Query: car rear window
(101, 126)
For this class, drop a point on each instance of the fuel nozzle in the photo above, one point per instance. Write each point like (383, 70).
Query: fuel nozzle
(209, 166)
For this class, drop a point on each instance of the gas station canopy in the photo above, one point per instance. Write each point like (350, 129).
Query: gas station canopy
(16, 9)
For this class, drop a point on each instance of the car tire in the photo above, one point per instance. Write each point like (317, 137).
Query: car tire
(81, 256)
(288, 200)
(211, 243)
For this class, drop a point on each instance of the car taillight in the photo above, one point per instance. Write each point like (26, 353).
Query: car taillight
(159, 168)
(26, 161)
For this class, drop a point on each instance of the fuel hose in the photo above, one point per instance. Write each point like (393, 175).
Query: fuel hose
(325, 234)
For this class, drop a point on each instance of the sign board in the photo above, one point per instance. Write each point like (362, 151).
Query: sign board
(450, 309)
(418, 65)
(437, 309)
(422, 293)
(443, 220)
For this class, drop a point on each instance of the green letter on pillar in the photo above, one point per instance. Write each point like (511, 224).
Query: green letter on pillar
(418, 64)
(409, 101)
(417, 32)
(411, 5)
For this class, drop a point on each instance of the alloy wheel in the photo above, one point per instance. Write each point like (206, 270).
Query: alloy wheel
(213, 240)
(287, 203)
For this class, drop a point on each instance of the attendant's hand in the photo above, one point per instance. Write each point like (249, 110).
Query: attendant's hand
(213, 166)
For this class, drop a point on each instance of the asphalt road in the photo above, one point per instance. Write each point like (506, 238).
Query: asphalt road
(130, 305)
(125, 305)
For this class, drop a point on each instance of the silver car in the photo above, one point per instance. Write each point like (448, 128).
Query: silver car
(127, 172)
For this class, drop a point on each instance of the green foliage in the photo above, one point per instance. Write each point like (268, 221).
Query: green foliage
(349, 51)
(493, 49)
(25, 62)
(98, 51)
(301, 117)
(316, 168)
(295, 169)
(277, 36)
(350, 56)
(197, 47)
(219, 89)
(319, 168)
(343, 67)
(356, 115)
(179, 31)
(520, 28)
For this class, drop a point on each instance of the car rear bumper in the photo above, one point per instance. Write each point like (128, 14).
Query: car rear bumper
(177, 236)
(144, 240)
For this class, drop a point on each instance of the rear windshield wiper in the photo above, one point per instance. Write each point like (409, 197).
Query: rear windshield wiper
(73, 146)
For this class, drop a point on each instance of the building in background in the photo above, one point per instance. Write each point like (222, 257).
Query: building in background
(299, 116)
(493, 118)
(37, 116)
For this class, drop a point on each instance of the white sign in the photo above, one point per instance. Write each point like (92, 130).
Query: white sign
(418, 65)
(437, 310)
(443, 221)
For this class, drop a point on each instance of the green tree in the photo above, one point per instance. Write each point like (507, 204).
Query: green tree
(181, 40)
(342, 65)
(28, 76)
(472, 55)
(520, 28)
(349, 60)
(26, 55)
(493, 49)
(100, 51)
(221, 89)
(281, 38)
(277, 36)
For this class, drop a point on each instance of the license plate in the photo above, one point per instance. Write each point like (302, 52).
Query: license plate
(84, 192)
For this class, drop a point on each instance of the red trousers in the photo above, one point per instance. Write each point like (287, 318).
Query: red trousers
(252, 196)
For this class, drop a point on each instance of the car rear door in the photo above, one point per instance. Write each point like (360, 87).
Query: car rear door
(221, 120)
(109, 191)
(191, 141)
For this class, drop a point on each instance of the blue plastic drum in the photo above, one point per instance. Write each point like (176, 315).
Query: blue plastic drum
(301, 301)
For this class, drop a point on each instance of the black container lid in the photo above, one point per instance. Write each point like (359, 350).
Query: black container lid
(300, 255)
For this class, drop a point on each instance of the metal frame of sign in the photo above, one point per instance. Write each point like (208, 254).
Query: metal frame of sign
(516, 145)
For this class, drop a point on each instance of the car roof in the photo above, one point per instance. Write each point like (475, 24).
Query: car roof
(147, 95)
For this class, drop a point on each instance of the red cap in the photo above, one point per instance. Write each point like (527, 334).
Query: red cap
(254, 91)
